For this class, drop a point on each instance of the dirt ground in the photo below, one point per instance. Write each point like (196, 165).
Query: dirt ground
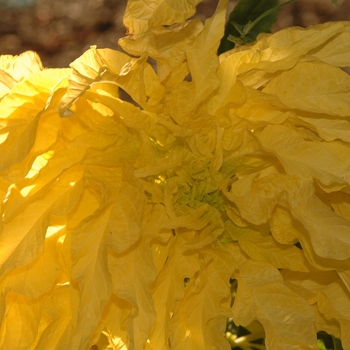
(61, 30)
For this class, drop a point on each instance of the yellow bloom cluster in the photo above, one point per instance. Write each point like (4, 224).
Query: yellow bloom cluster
(135, 186)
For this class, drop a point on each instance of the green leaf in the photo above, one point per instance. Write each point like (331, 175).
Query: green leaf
(337, 343)
(321, 345)
(248, 11)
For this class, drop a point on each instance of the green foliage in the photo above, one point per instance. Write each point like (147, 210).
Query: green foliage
(246, 12)
(328, 342)
(248, 19)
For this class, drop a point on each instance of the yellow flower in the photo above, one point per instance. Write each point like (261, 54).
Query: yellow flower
(133, 192)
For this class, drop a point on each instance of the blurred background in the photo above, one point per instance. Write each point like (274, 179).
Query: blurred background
(61, 30)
